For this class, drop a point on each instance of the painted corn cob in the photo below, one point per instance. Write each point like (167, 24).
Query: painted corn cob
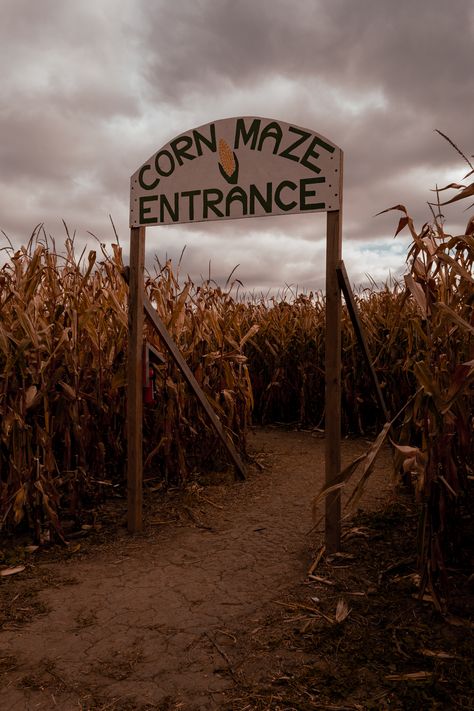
(229, 164)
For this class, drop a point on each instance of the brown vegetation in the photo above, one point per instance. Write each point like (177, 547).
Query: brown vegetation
(63, 331)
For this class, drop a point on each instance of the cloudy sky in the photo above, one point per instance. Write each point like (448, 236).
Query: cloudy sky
(92, 88)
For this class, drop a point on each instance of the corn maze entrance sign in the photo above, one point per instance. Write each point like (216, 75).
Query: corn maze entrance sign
(230, 169)
(241, 167)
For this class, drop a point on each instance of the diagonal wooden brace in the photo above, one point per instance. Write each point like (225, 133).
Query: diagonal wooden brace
(175, 353)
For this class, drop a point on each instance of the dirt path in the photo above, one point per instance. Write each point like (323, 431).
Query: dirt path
(145, 622)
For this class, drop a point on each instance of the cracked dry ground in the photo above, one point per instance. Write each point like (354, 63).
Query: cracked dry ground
(154, 621)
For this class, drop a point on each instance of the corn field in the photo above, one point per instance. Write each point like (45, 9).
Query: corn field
(63, 344)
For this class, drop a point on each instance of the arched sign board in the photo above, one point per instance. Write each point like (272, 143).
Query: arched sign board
(230, 169)
(233, 168)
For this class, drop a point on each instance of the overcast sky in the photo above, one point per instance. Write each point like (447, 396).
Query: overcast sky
(92, 88)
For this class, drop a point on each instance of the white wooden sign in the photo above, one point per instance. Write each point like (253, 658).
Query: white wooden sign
(237, 167)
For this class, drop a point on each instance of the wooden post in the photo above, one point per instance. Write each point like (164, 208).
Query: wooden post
(332, 425)
(135, 375)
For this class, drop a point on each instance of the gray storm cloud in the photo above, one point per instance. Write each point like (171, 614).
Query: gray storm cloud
(93, 88)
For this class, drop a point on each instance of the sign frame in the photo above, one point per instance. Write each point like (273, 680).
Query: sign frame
(231, 169)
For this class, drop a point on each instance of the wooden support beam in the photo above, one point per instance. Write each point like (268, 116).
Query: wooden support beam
(359, 331)
(332, 425)
(175, 353)
(135, 375)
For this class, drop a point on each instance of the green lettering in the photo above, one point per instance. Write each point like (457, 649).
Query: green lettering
(242, 133)
(305, 194)
(144, 210)
(326, 146)
(146, 186)
(303, 136)
(159, 169)
(180, 152)
(209, 142)
(273, 131)
(286, 207)
(210, 203)
(311, 153)
(190, 194)
(173, 212)
(265, 202)
(236, 195)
